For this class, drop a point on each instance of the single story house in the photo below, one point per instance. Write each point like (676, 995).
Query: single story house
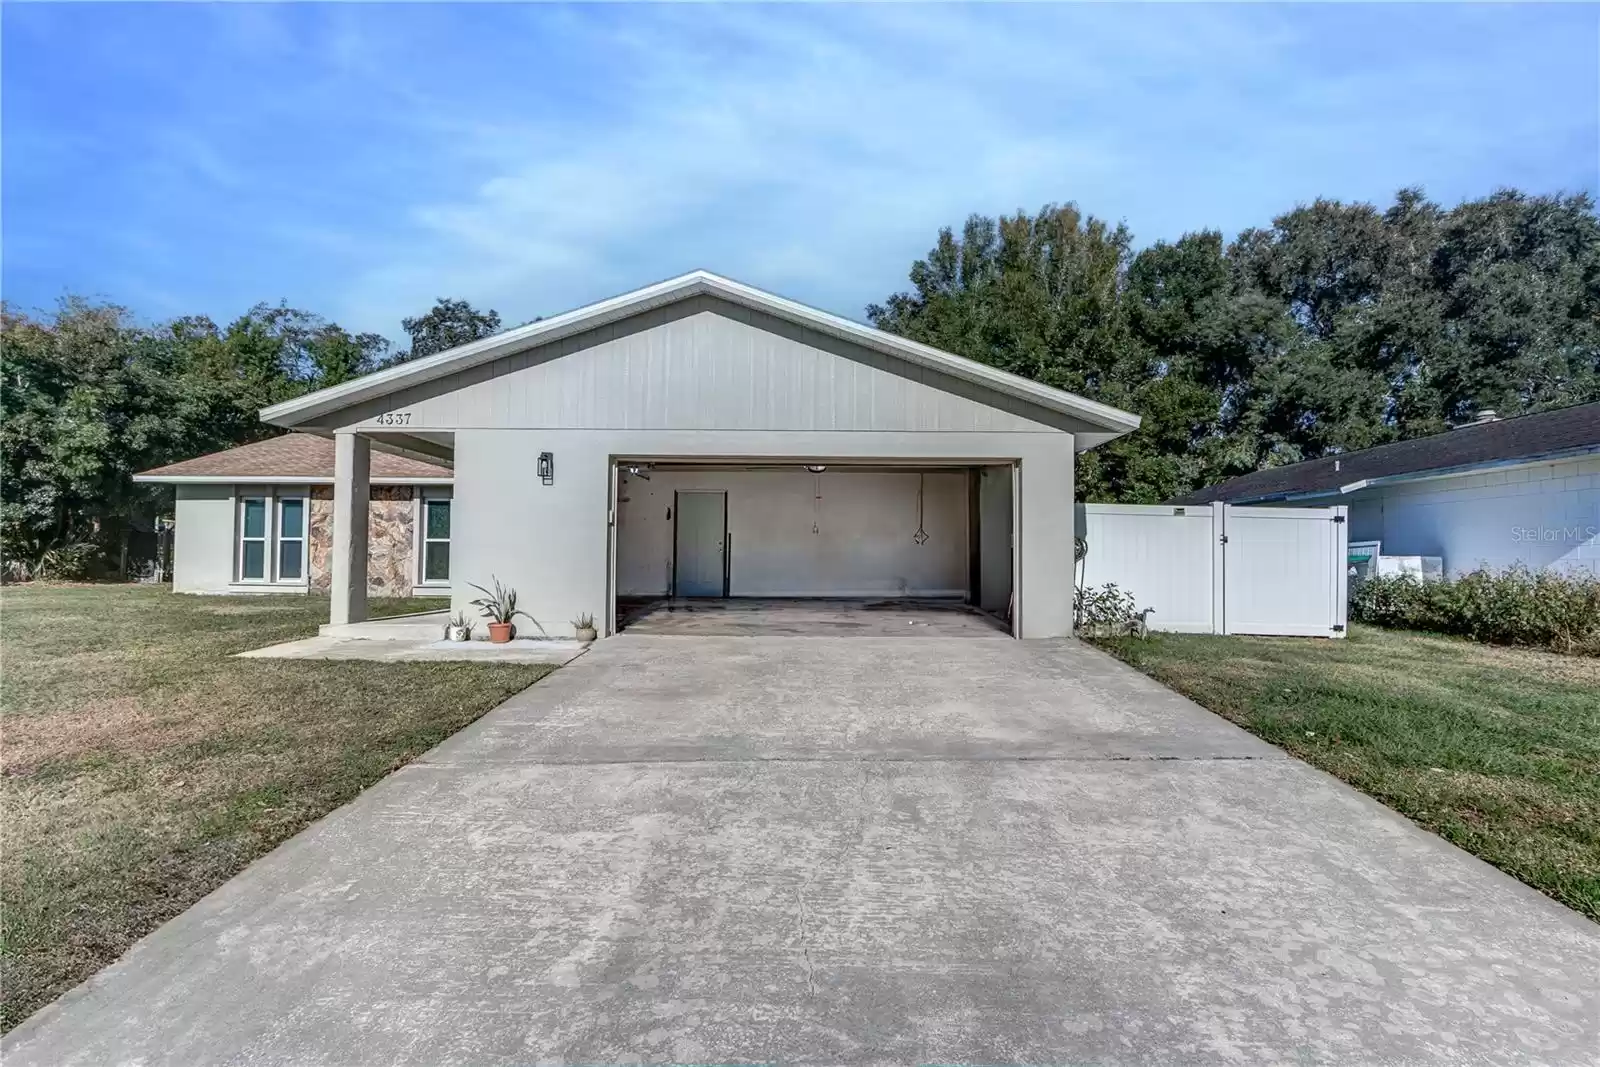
(1494, 493)
(258, 518)
(694, 438)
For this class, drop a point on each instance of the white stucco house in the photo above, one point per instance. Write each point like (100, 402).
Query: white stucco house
(694, 438)
(1493, 493)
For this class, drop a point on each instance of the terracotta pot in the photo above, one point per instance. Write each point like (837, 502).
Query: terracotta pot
(500, 632)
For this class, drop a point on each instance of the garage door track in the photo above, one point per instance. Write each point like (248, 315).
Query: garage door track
(819, 850)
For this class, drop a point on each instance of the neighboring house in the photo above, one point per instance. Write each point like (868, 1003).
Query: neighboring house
(1494, 493)
(693, 438)
(258, 518)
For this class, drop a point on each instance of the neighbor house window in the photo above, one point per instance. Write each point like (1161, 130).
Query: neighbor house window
(435, 539)
(253, 539)
(291, 538)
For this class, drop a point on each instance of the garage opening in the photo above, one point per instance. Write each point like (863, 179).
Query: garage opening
(803, 548)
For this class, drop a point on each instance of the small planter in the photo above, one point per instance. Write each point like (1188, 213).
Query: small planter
(501, 632)
(458, 633)
(587, 634)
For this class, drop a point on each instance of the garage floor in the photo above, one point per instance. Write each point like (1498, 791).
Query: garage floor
(808, 617)
(849, 850)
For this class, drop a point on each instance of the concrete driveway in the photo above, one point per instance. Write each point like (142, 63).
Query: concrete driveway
(824, 850)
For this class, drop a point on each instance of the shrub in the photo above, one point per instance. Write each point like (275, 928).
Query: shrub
(1108, 611)
(74, 561)
(1510, 607)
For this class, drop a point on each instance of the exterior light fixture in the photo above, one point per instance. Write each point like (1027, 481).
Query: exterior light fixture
(547, 468)
(816, 468)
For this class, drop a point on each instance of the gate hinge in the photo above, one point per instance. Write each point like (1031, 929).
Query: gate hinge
(1338, 628)
(1338, 518)
(1223, 539)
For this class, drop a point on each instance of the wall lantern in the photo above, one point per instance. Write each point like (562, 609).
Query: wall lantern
(547, 468)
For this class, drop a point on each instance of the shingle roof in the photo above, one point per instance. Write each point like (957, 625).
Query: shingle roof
(1524, 437)
(290, 458)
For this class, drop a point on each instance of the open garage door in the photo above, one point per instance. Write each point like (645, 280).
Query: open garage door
(820, 532)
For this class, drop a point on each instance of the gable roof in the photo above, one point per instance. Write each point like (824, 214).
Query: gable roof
(301, 458)
(1525, 438)
(696, 283)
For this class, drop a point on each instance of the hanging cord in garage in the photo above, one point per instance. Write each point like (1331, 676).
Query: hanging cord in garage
(816, 503)
(921, 536)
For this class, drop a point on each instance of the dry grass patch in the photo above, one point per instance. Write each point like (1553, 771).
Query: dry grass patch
(1496, 749)
(143, 764)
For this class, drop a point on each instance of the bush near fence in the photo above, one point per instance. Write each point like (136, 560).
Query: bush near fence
(1510, 607)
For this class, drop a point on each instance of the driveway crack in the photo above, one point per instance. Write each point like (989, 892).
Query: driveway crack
(804, 923)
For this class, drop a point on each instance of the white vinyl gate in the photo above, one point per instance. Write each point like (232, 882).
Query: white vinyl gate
(1220, 569)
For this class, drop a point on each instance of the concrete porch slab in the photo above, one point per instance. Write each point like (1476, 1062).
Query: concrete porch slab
(415, 627)
(415, 651)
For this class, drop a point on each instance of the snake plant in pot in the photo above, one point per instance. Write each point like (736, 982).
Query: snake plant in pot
(499, 606)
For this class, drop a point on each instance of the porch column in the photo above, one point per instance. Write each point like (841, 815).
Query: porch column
(352, 468)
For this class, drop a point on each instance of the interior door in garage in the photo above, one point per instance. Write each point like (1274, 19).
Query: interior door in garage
(700, 549)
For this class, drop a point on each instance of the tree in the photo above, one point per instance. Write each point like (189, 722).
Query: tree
(448, 324)
(88, 398)
(1337, 327)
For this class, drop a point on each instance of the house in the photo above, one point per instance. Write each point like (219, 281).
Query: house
(258, 519)
(702, 438)
(1494, 493)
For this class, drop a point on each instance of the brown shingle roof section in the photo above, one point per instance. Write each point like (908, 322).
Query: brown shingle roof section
(1523, 437)
(292, 457)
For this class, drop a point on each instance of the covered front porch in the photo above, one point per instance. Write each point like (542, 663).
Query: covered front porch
(349, 546)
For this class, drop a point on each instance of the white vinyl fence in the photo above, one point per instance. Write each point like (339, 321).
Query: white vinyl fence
(1220, 569)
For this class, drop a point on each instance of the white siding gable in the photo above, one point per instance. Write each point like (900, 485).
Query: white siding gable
(704, 364)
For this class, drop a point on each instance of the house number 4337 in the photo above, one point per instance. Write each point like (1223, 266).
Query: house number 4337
(394, 418)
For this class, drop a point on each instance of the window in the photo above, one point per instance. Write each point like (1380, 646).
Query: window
(291, 538)
(253, 539)
(272, 528)
(435, 540)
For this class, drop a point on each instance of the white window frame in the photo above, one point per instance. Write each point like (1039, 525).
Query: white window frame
(279, 498)
(240, 540)
(272, 497)
(420, 547)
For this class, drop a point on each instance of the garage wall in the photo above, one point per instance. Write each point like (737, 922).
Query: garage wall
(994, 539)
(794, 533)
(552, 542)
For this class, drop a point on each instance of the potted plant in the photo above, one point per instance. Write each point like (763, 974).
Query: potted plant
(584, 625)
(458, 628)
(500, 608)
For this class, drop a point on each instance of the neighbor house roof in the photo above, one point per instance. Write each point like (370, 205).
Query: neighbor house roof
(696, 283)
(301, 458)
(1526, 438)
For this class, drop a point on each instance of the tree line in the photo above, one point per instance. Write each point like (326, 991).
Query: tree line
(1337, 327)
(89, 397)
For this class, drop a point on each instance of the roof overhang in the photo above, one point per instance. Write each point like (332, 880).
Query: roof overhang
(1421, 476)
(294, 413)
(271, 479)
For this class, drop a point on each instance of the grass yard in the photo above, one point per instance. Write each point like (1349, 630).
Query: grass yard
(142, 765)
(1495, 749)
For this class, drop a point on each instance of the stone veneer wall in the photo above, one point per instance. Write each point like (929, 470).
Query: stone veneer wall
(391, 517)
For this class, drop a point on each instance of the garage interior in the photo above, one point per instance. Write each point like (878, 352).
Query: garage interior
(814, 547)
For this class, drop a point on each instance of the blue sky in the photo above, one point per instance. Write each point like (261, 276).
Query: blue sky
(360, 160)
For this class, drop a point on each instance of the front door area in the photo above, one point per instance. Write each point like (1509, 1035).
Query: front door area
(700, 550)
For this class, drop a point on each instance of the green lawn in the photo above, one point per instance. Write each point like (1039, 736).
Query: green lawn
(142, 765)
(1495, 749)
